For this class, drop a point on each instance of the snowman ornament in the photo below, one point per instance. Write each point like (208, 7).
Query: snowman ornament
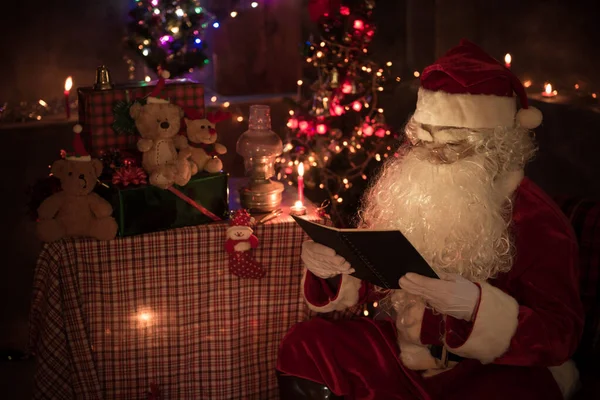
(239, 244)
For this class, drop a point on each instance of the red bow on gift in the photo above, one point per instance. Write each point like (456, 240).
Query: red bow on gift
(318, 8)
(129, 175)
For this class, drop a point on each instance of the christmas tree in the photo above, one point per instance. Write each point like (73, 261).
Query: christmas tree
(169, 34)
(338, 132)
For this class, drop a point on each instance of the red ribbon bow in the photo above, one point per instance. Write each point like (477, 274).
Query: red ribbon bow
(129, 175)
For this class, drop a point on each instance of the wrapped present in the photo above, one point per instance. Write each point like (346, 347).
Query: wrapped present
(144, 208)
(104, 113)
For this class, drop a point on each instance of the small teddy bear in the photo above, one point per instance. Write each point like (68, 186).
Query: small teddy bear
(158, 123)
(76, 210)
(202, 137)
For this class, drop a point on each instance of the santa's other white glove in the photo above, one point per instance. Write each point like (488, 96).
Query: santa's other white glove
(450, 295)
(323, 261)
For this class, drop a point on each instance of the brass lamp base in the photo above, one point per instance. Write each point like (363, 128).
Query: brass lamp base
(262, 196)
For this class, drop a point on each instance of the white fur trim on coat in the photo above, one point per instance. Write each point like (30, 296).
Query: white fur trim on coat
(347, 295)
(465, 110)
(495, 325)
(567, 378)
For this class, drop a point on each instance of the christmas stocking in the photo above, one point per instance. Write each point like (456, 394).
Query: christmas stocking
(239, 245)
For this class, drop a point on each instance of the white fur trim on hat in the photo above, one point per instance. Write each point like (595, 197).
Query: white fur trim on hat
(156, 100)
(464, 110)
(529, 118)
(79, 158)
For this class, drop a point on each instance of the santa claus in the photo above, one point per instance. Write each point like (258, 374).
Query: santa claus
(505, 317)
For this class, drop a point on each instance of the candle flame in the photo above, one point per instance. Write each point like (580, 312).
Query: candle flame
(507, 58)
(68, 84)
(301, 169)
(548, 88)
(298, 204)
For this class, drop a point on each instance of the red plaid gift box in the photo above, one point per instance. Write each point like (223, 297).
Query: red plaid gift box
(96, 111)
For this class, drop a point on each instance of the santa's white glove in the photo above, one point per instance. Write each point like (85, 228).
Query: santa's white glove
(323, 261)
(450, 295)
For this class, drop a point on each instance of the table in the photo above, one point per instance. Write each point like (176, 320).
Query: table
(110, 318)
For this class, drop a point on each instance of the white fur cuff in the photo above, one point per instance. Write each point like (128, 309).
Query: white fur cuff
(465, 110)
(347, 295)
(495, 325)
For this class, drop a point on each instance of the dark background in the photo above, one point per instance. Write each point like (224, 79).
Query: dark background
(43, 42)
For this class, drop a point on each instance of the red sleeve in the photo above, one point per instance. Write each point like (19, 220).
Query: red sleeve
(538, 320)
(325, 295)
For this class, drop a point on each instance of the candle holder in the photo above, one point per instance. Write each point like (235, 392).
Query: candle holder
(259, 146)
(298, 209)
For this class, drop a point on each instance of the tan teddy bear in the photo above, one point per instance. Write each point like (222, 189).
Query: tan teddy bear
(202, 138)
(76, 210)
(158, 123)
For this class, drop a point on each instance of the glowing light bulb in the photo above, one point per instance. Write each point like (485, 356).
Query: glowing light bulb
(380, 89)
(389, 63)
(147, 78)
(226, 104)
(216, 25)
(576, 86)
(359, 24)
(198, 40)
(175, 29)
(338, 110)
(292, 123)
(339, 200)
(379, 73)
(291, 112)
(303, 125)
(42, 103)
(344, 10)
(299, 83)
(154, 2)
(594, 95)
(254, 4)
(240, 118)
(357, 106)
(346, 88)
(233, 14)
(380, 132)
(321, 129)
(345, 180)
(507, 60)
(145, 52)
(322, 44)
(319, 54)
(179, 12)
(380, 110)
(213, 99)
(527, 83)
(156, 11)
(417, 74)
(368, 130)
(198, 10)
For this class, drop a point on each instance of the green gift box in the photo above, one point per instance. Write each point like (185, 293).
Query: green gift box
(145, 209)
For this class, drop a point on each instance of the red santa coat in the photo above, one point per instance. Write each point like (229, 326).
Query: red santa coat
(527, 320)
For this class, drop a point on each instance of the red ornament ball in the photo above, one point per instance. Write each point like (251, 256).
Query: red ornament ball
(292, 123)
(367, 130)
(380, 132)
(359, 25)
(303, 125)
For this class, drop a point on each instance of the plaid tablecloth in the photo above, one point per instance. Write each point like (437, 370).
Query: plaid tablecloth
(110, 318)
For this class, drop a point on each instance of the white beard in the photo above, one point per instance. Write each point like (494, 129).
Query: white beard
(453, 214)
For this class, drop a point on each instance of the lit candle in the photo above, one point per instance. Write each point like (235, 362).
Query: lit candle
(507, 60)
(548, 92)
(68, 86)
(298, 208)
(301, 183)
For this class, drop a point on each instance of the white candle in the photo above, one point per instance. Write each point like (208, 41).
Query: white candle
(301, 183)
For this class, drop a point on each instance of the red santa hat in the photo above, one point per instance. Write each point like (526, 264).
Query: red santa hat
(154, 96)
(240, 220)
(79, 151)
(467, 88)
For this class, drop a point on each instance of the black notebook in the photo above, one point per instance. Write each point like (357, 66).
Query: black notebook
(379, 257)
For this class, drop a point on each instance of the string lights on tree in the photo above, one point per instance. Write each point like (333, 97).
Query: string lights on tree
(170, 33)
(338, 131)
